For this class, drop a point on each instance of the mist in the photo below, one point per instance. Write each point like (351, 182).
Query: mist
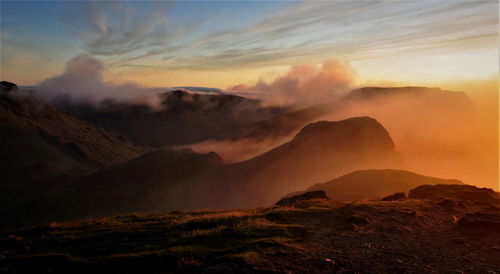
(305, 84)
(438, 133)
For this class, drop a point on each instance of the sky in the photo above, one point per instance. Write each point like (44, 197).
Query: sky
(222, 44)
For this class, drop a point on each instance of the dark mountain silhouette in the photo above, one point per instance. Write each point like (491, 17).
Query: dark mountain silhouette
(182, 117)
(375, 184)
(44, 150)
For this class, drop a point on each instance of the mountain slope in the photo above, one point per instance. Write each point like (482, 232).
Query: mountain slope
(375, 184)
(319, 151)
(182, 179)
(159, 180)
(44, 151)
(180, 117)
(80, 139)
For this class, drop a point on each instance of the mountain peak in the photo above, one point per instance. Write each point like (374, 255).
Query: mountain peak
(359, 130)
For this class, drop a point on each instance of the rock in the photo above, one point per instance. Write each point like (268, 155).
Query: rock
(7, 86)
(459, 241)
(291, 201)
(456, 192)
(480, 222)
(447, 203)
(395, 197)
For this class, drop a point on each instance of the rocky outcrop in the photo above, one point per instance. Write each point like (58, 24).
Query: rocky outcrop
(6, 86)
(458, 192)
(291, 201)
(480, 222)
(375, 184)
(395, 197)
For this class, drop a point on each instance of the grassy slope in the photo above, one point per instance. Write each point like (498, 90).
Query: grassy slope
(317, 236)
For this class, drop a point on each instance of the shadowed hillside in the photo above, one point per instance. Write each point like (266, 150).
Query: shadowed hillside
(44, 150)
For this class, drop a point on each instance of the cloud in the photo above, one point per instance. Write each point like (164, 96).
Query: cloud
(303, 32)
(305, 84)
(112, 28)
(356, 30)
(82, 79)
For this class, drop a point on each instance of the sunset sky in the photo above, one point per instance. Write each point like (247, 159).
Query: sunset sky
(220, 44)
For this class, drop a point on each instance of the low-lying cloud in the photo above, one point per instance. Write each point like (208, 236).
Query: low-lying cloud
(82, 80)
(305, 84)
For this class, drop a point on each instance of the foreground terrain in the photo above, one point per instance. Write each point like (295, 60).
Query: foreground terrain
(318, 235)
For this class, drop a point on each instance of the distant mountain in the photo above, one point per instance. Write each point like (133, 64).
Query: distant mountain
(375, 184)
(201, 89)
(282, 125)
(319, 151)
(425, 93)
(181, 117)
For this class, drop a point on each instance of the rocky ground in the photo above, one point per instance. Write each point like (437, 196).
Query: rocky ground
(317, 235)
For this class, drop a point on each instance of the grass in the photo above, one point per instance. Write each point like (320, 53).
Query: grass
(194, 241)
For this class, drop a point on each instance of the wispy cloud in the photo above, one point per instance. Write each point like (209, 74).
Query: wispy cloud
(301, 32)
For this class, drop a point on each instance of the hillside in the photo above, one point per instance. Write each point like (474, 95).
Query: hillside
(313, 236)
(182, 179)
(63, 132)
(375, 184)
(44, 150)
(179, 117)
(320, 151)
(156, 181)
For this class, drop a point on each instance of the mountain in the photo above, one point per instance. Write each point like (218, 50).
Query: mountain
(395, 107)
(320, 151)
(44, 150)
(375, 184)
(182, 179)
(424, 93)
(159, 180)
(29, 118)
(179, 117)
(201, 89)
